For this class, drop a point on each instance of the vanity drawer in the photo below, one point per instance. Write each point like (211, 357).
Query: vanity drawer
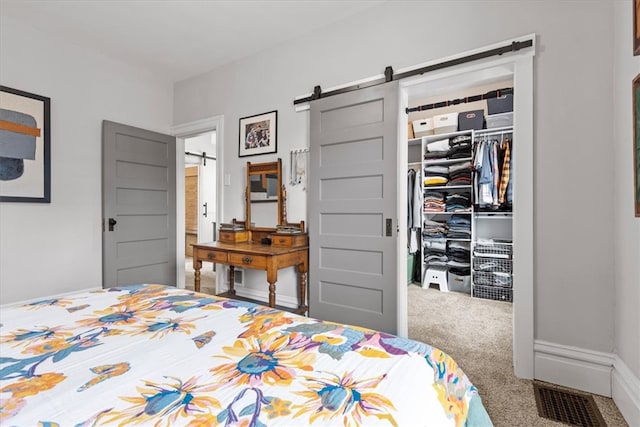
(233, 236)
(249, 260)
(292, 240)
(213, 256)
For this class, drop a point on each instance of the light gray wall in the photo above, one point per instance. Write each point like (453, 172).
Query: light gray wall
(627, 226)
(574, 267)
(52, 248)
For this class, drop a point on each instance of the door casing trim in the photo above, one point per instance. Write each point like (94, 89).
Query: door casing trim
(181, 132)
(523, 228)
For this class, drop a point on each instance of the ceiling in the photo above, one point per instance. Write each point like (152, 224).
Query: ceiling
(177, 39)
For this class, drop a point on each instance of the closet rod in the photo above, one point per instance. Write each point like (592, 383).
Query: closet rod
(500, 132)
(491, 94)
(514, 46)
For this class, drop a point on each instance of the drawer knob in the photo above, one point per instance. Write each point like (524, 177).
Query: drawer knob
(281, 240)
(247, 260)
(211, 256)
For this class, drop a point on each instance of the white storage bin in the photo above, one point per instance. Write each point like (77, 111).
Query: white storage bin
(445, 123)
(436, 276)
(499, 120)
(423, 127)
(458, 283)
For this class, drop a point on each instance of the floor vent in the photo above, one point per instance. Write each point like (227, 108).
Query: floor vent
(567, 407)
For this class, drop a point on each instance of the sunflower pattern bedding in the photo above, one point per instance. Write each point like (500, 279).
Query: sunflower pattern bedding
(156, 355)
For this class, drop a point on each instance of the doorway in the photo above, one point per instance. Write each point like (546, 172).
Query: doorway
(519, 72)
(200, 202)
(198, 210)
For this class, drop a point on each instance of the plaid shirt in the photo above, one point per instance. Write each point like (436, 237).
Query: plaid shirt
(506, 172)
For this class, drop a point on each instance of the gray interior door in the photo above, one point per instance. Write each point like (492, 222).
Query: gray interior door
(138, 206)
(352, 208)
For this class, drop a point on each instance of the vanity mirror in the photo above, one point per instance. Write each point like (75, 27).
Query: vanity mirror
(264, 196)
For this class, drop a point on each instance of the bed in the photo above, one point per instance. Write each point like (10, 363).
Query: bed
(157, 355)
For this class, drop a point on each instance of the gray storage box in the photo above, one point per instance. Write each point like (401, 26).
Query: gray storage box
(458, 283)
(468, 120)
(502, 104)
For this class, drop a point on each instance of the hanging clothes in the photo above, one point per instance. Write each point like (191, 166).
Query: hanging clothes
(496, 175)
(414, 209)
(484, 165)
(505, 176)
(417, 200)
(493, 180)
(410, 180)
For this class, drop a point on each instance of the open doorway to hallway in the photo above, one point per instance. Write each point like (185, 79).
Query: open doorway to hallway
(200, 203)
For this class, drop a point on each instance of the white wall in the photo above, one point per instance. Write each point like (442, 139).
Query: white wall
(57, 247)
(574, 265)
(627, 226)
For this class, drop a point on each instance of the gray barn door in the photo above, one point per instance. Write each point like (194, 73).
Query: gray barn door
(138, 206)
(352, 208)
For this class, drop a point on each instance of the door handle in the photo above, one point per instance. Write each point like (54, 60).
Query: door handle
(112, 223)
(205, 209)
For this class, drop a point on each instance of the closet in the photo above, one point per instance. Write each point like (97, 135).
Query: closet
(360, 154)
(460, 190)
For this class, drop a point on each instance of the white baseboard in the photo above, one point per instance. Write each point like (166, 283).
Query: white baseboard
(626, 391)
(283, 300)
(574, 367)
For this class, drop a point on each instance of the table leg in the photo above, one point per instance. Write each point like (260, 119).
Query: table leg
(272, 278)
(232, 280)
(197, 265)
(302, 288)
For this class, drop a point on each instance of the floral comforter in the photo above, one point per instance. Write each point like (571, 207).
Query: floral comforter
(155, 355)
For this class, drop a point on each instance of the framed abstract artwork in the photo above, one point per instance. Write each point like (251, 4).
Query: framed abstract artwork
(25, 147)
(258, 134)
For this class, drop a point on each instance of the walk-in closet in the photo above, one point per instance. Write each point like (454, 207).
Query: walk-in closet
(460, 176)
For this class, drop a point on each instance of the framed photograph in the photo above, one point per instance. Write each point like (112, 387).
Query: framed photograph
(25, 147)
(636, 27)
(636, 142)
(258, 134)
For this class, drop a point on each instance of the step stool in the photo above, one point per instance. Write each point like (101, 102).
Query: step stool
(436, 276)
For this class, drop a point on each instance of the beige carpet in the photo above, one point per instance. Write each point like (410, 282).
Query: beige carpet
(477, 333)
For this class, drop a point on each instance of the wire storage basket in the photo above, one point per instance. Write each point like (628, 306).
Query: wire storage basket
(493, 292)
(493, 250)
(502, 280)
(492, 264)
(492, 271)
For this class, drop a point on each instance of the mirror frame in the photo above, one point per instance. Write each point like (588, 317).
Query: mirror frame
(260, 169)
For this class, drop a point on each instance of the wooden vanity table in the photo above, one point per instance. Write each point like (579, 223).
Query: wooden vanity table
(255, 256)
(245, 248)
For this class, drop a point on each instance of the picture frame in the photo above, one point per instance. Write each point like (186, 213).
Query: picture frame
(25, 147)
(258, 134)
(636, 143)
(636, 27)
